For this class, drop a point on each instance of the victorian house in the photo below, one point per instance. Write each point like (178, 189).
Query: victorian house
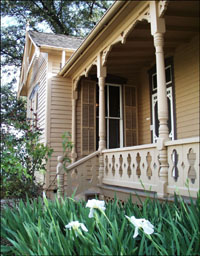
(128, 94)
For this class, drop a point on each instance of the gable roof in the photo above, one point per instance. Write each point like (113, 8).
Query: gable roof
(55, 40)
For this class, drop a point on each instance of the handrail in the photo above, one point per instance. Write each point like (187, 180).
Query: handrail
(82, 160)
(138, 147)
(182, 141)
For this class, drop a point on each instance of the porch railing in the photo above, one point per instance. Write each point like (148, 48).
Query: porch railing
(138, 167)
(132, 167)
(80, 176)
(183, 159)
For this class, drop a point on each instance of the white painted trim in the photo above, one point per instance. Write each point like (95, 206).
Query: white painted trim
(183, 141)
(120, 118)
(82, 160)
(146, 146)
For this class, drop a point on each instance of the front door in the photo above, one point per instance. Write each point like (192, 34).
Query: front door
(114, 120)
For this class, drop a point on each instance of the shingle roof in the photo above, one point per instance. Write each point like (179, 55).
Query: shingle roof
(55, 40)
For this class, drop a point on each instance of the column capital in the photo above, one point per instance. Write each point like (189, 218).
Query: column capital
(157, 23)
(158, 39)
(101, 70)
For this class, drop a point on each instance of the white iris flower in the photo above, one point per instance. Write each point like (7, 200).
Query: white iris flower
(76, 225)
(95, 204)
(141, 223)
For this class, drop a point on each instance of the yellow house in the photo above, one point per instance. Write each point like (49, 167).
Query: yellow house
(128, 94)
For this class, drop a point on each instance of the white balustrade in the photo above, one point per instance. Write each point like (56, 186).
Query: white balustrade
(183, 172)
(132, 167)
(138, 168)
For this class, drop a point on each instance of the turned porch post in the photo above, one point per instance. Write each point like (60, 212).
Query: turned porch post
(74, 100)
(158, 30)
(101, 74)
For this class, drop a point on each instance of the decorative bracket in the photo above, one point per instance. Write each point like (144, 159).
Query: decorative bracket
(75, 83)
(86, 71)
(144, 15)
(162, 7)
(105, 54)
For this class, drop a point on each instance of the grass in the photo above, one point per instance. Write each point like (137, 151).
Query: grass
(37, 227)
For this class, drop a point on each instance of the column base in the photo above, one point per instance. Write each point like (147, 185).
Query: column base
(162, 189)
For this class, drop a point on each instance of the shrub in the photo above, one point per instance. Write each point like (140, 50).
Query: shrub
(21, 153)
(38, 227)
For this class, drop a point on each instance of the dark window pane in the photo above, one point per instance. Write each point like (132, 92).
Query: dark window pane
(168, 74)
(156, 119)
(154, 82)
(106, 105)
(97, 133)
(97, 100)
(114, 100)
(114, 138)
(169, 116)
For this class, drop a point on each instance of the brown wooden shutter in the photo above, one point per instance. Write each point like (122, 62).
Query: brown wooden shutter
(88, 97)
(130, 116)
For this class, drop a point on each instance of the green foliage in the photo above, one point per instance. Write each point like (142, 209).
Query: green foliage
(67, 146)
(21, 153)
(67, 17)
(37, 227)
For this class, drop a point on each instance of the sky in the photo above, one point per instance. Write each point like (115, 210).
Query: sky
(7, 77)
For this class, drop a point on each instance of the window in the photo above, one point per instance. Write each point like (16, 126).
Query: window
(170, 100)
(113, 115)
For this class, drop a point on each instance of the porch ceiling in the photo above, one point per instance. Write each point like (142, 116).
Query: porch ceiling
(182, 23)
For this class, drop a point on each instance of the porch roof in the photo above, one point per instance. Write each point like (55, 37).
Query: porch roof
(129, 37)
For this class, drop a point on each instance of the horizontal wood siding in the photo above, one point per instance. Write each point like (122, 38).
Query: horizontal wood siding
(42, 97)
(38, 75)
(78, 124)
(144, 108)
(186, 69)
(60, 114)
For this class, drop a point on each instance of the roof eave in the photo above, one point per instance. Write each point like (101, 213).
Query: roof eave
(48, 47)
(111, 12)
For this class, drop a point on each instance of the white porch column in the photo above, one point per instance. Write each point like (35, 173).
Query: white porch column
(158, 30)
(74, 100)
(101, 74)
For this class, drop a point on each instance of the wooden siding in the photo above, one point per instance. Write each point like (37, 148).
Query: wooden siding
(186, 69)
(78, 124)
(39, 76)
(144, 108)
(60, 113)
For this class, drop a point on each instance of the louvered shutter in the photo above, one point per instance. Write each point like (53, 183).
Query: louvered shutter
(130, 114)
(88, 97)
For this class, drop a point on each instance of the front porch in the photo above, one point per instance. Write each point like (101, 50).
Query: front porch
(156, 144)
(135, 171)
